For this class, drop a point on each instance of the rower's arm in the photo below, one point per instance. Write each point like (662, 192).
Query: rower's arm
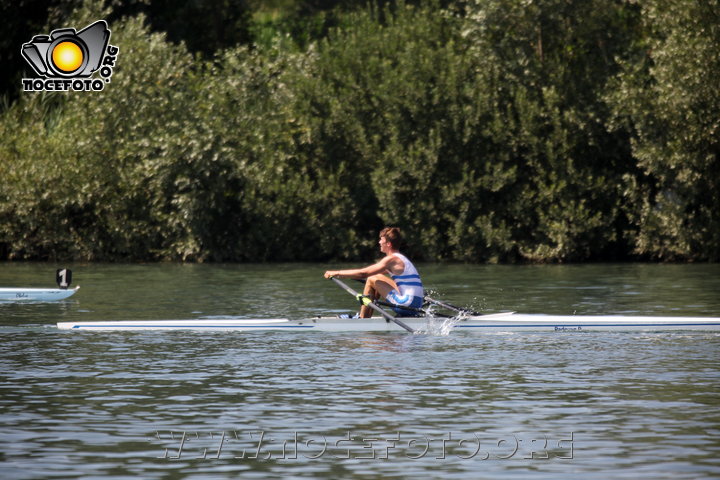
(360, 273)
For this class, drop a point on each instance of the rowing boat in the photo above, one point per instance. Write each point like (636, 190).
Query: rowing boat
(428, 322)
(35, 294)
(63, 278)
(499, 322)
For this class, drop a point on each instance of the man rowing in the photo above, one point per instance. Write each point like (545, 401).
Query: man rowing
(402, 287)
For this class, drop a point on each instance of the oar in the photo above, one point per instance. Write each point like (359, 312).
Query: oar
(427, 299)
(410, 309)
(368, 302)
(451, 307)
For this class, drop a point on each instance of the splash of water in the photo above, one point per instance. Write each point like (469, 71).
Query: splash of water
(441, 326)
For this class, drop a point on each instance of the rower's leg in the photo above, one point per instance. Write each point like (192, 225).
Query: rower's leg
(377, 286)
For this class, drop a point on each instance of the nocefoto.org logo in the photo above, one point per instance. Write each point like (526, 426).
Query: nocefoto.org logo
(66, 59)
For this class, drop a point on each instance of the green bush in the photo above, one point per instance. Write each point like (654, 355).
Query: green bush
(490, 131)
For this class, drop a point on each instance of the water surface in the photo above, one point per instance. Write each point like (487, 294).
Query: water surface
(221, 405)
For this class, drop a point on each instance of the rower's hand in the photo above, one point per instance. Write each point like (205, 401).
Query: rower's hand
(331, 273)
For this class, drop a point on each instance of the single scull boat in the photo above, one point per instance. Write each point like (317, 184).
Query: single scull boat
(63, 278)
(427, 322)
(499, 322)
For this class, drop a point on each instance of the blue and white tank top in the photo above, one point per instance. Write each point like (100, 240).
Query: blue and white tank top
(408, 281)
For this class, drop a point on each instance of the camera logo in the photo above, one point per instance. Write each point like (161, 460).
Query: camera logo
(66, 59)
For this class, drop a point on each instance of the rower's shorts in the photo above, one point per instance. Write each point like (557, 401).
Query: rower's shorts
(404, 301)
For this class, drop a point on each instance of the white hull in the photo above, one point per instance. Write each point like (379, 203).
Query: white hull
(501, 322)
(35, 294)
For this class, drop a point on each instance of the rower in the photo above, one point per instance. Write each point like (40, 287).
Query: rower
(394, 278)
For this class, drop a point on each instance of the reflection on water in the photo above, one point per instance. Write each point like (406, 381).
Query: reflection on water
(322, 405)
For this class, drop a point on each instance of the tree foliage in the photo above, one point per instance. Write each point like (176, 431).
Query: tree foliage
(491, 130)
(668, 96)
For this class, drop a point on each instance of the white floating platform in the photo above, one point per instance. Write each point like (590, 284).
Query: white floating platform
(500, 322)
(35, 294)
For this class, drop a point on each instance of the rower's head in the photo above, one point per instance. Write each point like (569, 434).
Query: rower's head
(392, 236)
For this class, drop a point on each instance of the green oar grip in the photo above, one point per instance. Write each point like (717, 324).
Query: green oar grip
(363, 299)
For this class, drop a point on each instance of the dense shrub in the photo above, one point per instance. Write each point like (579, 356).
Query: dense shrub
(491, 130)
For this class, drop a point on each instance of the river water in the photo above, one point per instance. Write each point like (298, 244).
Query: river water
(226, 405)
